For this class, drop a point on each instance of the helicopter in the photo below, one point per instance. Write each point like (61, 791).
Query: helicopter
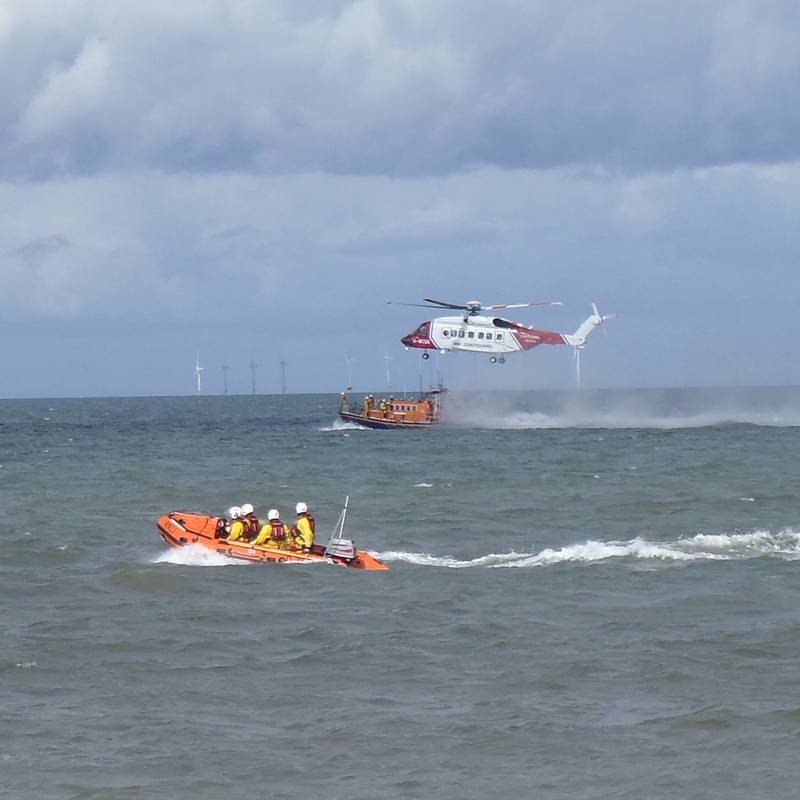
(474, 332)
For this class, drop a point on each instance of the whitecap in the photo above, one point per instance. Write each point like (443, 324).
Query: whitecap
(340, 425)
(423, 485)
(27, 664)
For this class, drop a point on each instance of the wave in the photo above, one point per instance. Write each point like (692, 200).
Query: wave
(701, 547)
(195, 555)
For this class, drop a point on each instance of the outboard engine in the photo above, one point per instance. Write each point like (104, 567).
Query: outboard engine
(341, 548)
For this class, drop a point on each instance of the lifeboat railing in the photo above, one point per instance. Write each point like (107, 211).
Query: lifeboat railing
(338, 528)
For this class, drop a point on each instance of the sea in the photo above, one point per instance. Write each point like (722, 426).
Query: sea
(591, 594)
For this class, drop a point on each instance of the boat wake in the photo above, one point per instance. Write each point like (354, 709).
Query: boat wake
(702, 547)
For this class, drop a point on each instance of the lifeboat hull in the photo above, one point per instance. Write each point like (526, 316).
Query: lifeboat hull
(384, 424)
(180, 529)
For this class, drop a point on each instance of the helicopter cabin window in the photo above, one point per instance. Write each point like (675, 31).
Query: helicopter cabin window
(471, 334)
(461, 334)
(445, 332)
(488, 335)
(498, 336)
(453, 333)
(480, 334)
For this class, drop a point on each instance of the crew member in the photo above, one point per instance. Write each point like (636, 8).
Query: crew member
(303, 530)
(345, 403)
(236, 527)
(369, 401)
(274, 533)
(251, 524)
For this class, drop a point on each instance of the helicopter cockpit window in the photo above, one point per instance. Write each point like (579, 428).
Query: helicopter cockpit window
(422, 330)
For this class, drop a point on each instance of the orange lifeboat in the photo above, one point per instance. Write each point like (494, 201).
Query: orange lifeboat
(423, 412)
(181, 528)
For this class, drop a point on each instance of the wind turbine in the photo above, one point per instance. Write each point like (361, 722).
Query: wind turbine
(253, 366)
(283, 377)
(225, 369)
(388, 359)
(198, 371)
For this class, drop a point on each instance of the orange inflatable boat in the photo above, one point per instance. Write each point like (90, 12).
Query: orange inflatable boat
(182, 528)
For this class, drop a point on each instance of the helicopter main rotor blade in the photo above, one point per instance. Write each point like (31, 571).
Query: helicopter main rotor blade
(442, 304)
(522, 305)
(415, 305)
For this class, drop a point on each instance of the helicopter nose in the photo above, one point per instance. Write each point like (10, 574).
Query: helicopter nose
(406, 340)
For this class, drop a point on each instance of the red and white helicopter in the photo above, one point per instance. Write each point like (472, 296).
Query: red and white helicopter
(472, 332)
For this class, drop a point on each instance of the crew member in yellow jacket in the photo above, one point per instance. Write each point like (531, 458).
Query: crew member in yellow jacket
(236, 527)
(273, 533)
(303, 530)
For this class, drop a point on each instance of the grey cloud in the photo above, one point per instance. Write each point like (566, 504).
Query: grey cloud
(35, 250)
(397, 88)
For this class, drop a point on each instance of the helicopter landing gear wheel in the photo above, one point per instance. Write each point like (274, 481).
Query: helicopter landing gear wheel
(492, 360)
(502, 359)
(426, 356)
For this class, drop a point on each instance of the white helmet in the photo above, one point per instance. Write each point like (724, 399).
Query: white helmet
(234, 512)
(273, 514)
(247, 508)
(301, 508)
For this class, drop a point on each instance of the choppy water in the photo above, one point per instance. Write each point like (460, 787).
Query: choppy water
(589, 597)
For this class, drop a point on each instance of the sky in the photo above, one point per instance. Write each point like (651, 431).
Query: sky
(236, 181)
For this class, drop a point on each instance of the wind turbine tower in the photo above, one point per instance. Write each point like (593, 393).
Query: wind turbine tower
(388, 359)
(225, 369)
(253, 366)
(577, 352)
(198, 371)
(283, 377)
